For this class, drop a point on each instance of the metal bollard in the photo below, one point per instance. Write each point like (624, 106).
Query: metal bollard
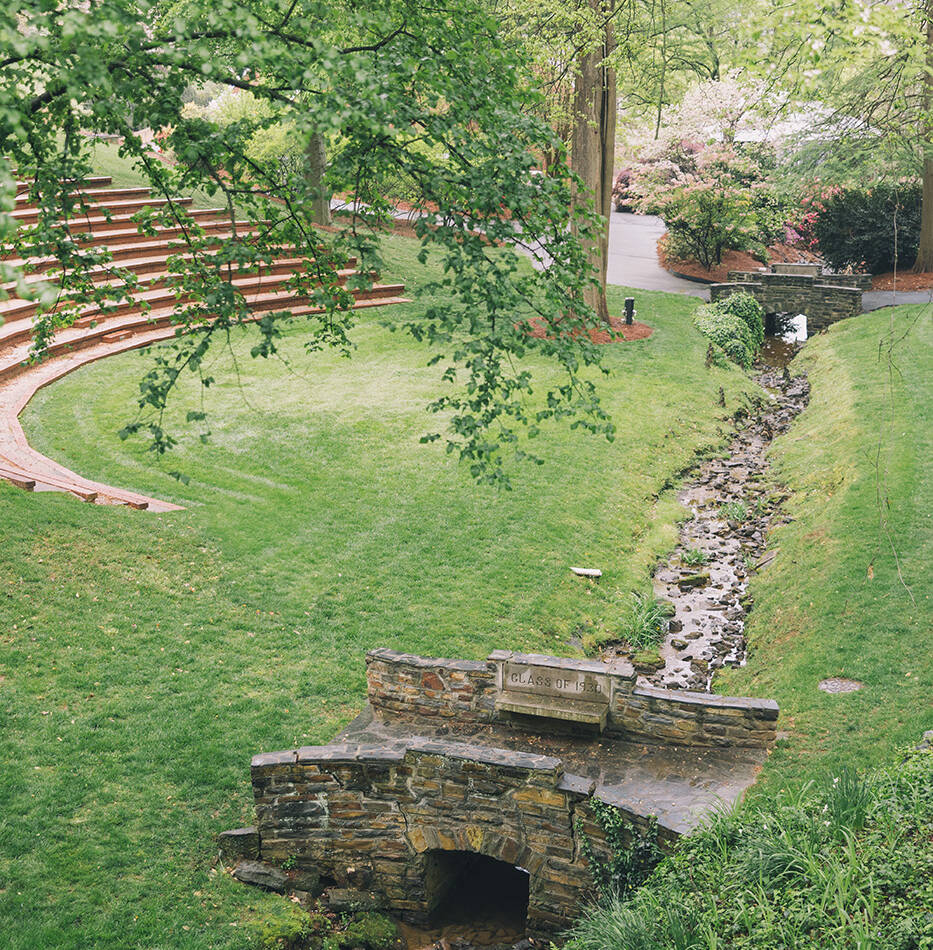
(629, 310)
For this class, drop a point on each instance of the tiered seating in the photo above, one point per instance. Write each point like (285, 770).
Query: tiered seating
(105, 220)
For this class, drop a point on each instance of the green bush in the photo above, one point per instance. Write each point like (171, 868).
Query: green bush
(735, 324)
(843, 864)
(860, 227)
(747, 308)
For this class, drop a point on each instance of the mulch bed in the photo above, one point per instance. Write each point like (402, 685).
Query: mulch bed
(621, 332)
(731, 260)
(903, 280)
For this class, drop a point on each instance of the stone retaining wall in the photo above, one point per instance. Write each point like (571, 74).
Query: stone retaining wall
(368, 817)
(400, 683)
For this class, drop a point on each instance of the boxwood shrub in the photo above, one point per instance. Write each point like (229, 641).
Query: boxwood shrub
(735, 325)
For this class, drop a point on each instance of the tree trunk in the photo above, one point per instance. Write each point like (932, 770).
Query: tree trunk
(317, 164)
(593, 146)
(924, 261)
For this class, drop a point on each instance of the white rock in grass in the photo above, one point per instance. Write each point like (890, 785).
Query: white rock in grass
(587, 571)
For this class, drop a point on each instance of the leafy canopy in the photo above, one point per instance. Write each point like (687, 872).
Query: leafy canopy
(394, 88)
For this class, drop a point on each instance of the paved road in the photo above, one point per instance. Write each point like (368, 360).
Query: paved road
(633, 256)
(633, 262)
(875, 299)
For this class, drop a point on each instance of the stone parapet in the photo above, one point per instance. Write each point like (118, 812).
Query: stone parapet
(438, 689)
(681, 717)
(405, 684)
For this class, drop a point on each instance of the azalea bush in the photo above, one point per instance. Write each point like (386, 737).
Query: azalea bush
(862, 228)
(712, 199)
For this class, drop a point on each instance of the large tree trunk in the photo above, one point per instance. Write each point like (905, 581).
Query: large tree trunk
(317, 164)
(593, 146)
(924, 261)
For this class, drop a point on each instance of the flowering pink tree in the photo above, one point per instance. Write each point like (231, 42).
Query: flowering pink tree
(718, 204)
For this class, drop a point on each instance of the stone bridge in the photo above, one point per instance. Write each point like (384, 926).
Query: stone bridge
(459, 771)
(800, 288)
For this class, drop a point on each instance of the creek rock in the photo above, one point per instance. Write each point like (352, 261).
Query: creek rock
(710, 605)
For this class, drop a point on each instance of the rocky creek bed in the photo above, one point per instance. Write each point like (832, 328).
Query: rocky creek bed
(706, 578)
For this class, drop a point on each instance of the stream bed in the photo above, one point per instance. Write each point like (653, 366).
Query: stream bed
(725, 540)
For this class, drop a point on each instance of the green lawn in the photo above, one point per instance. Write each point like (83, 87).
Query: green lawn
(147, 657)
(832, 603)
(106, 160)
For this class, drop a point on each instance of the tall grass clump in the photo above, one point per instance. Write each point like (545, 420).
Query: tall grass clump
(645, 623)
(844, 862)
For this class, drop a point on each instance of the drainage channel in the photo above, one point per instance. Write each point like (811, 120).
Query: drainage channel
(725, 540)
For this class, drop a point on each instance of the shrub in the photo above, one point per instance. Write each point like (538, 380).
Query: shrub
(744, 306)
(728, 331)
(858, 227)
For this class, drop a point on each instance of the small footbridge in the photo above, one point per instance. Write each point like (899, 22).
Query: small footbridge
(459, 767)
(825, 298)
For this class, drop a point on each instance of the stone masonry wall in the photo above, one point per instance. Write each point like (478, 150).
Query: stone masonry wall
(356, 813)
(444, 689)
(824, 299)
(440, 689)
(681, 717)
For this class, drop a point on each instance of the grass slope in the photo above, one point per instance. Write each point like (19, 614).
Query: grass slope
(146, 657)
(832, 603)
(844, 863)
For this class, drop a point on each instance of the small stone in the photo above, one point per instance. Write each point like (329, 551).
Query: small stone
(587, 571)
(691, 581)
(839, 684)
(646, 661)
(679, 644)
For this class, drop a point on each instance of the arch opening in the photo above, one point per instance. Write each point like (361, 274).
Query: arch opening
(465, 890)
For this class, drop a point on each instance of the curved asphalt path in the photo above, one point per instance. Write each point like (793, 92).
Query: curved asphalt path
(633, 262)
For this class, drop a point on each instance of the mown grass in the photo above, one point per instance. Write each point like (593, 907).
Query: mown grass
(106, 160)
(147, 657)
(849, 593)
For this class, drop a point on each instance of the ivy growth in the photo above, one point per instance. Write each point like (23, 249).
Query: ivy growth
(633, 852)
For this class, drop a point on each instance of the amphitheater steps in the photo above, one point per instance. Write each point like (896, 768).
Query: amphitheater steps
(96, 212)
(100, 181)
(151, 293)
(150, 317)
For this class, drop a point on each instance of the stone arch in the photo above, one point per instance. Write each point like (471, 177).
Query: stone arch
(478, 839)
